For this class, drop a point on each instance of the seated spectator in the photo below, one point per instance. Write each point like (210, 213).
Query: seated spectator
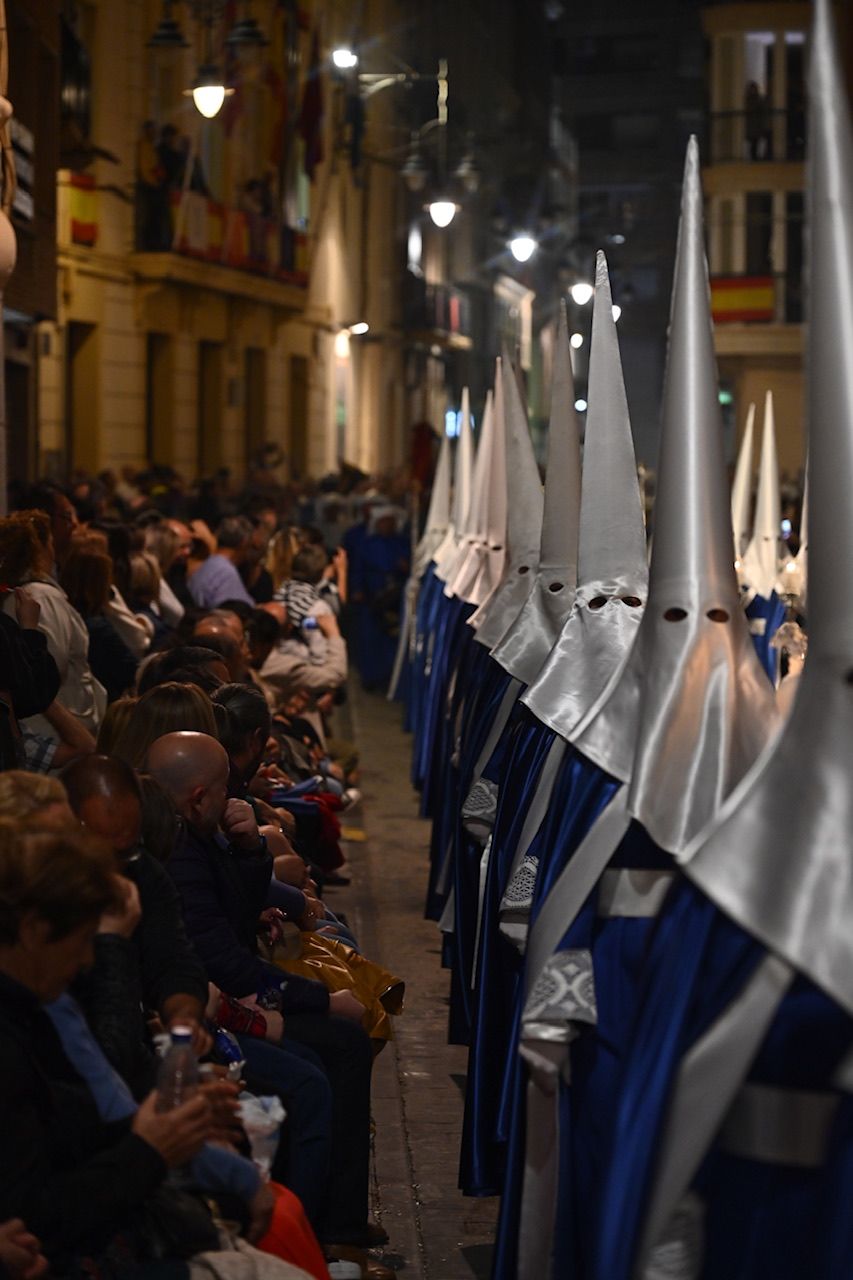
(30, 675)
(223, 877)
(87, 581)
(62, 518)
(113, 725)
(120, 543)
(288, 665)
(194, 663)
(73, 1179)
(145, 589)
(26, 546)
(164, 709)
(170, 549)
(217, 578)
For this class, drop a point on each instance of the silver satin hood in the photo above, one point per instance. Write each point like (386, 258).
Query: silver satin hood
(601, 627)
(742, 487)
(525, 645)
(525, 513)
(438, 515)
(760, 564)
(692, 707)
(460, 513)
(779, 861)
(480, 565)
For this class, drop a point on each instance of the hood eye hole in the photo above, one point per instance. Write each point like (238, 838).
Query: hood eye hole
(598, 602)
(675, 615)
(555, 586)
(497, 547)
(633, 602)
(848, 676)
(524, 568)
(717, 615)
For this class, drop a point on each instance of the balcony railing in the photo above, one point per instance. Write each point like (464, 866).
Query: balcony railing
(751, 299)
(436, 308)
(757, 136)
(194, 226)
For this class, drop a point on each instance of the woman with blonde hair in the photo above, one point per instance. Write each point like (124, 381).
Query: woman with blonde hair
(167, 708)
(27, 560)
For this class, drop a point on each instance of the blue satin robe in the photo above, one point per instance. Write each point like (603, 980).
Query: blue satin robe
(772, 610)
(485, 684)
(761, 1219)
(515, 765)
(379, 569)
(617, 946)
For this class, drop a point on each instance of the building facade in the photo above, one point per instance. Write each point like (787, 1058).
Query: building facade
(754, 185)
(200, 277)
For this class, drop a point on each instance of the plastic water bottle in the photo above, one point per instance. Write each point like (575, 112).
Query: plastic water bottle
(177, 1079)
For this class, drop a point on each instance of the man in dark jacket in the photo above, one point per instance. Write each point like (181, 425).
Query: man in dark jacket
(222, 871)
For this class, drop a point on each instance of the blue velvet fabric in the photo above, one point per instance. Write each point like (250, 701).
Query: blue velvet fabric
(761, 1219)
(772, 610)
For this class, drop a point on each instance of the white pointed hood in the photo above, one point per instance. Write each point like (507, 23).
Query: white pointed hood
(779, 861)
(524, 518)
(460, 512)
(525, 645)
(464, 508)
(438, 515)
(760, 567)
(480, 560)
(612, 567)
(742, 487)
(793, 574)
(692, 707)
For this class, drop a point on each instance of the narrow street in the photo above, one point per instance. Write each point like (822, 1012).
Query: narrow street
(436, 1233)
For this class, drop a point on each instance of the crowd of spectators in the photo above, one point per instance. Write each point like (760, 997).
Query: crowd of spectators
(174, 775)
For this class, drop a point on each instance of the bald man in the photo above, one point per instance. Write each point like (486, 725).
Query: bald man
(222, 871)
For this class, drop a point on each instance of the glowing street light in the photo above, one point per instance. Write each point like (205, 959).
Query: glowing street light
(581, 293)
(442, 212)
(522, 247)
(344, 58)
(580, 405)
(357, 329)
(617, 311)
(208, 92)
(576, 341)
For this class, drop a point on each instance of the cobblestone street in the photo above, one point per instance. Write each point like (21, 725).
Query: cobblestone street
(436, 1233)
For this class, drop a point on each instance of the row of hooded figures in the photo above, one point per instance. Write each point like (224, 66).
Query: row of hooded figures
(642, 853)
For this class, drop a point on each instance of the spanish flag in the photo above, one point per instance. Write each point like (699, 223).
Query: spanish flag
(84, 209)
(742, 298)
